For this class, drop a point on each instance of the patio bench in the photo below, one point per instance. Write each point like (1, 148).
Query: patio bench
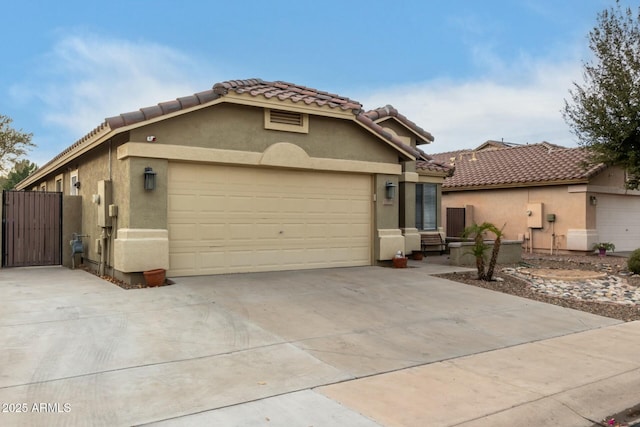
(430, 240)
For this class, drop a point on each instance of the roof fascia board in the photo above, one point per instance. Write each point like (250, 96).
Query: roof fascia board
(513, 185)
(99, 138)
(277, 104)
(426, 172)
(92, 142)
(431, 179)
(386, 141)
(419, 136)
(612, 190)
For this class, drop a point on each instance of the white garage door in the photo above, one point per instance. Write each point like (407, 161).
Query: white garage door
(618, 221)
(232, 219)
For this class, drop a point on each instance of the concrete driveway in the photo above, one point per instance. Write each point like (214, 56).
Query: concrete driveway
(250, 349)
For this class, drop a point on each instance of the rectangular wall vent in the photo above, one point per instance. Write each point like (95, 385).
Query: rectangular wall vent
(290, 121)
(286, 117)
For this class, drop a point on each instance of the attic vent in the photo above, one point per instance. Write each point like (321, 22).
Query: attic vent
(286, 118)
(290, 121)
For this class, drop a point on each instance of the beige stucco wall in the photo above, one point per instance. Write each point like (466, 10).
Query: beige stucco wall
(147, 208)
(610, 177)
(71, 223)
(239, 127)
(93, 167)
(508, 207)
(388, 238)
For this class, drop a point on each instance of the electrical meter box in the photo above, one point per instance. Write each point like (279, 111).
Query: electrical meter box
(534, 215)
(103, 202)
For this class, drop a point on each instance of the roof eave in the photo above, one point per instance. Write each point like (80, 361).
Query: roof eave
(87, 143)
(424, 138)
(368, 124)
(101, 134)
(514, 185)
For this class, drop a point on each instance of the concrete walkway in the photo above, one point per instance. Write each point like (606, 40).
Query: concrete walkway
(355, 346)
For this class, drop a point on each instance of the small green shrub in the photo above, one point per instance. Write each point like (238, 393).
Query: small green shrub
(634, 262)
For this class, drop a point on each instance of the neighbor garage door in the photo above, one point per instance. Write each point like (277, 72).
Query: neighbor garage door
(618, 221)
(232, 219)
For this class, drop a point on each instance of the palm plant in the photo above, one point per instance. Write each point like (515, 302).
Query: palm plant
(478, 249)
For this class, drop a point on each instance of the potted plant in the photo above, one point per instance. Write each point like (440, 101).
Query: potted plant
(154, 277)
(603, 247)
(400, 261)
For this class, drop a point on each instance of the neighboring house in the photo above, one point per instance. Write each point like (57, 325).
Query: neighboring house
(541, 193)
(248, 176)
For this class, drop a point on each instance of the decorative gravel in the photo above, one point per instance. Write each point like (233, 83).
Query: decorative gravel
(612, 289)
(615, 295)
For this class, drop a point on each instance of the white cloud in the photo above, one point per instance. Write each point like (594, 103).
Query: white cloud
(86, 78)
(520, 105)
(105, 77)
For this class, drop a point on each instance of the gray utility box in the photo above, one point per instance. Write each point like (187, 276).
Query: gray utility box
(103, 202)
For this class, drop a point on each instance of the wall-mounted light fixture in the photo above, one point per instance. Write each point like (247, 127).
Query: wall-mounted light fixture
(77, 184)
(149, 179)
(390, 190)
(593, 200)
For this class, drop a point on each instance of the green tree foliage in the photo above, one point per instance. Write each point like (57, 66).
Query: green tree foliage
(13, 143)
(478, 232)
(605, 111)
(21, 170)
(633, 264)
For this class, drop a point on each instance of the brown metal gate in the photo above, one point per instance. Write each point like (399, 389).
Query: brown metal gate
(31, 228)
(455, 222)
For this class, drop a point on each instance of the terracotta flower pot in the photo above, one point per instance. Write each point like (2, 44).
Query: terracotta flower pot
(417, 255)
(154, 277)
(400, 262)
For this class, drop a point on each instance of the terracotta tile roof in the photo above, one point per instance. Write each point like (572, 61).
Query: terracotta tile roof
(534, 164)
(389, 111)
(287, 91)
(162, 108)
(386, 135)
(254, 87)
(428, 163)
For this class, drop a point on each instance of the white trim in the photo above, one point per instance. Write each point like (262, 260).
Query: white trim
(281, 154)
(60, 179)
(288, 105)
(612, 190)
(73, 190)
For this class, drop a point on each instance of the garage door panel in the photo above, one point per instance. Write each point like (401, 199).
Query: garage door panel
(618, 221)
(225, 219)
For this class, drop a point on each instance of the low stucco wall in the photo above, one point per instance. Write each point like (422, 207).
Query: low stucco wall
(138, 250)
(460, 252)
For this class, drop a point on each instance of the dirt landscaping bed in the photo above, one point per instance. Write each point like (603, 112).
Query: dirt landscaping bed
(611, 265)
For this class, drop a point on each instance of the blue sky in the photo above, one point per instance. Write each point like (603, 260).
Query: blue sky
(465, 70)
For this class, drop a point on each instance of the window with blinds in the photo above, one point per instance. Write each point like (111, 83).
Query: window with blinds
(426, 207)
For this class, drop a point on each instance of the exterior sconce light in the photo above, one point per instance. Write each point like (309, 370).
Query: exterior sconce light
(149, 179)
(390, 190)
(593, 200)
